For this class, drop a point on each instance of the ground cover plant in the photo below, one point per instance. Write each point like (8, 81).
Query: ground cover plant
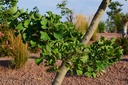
(124, 43)
(103, 54)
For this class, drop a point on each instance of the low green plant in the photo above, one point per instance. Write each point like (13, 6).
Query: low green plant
(124, 43)
(101, 27)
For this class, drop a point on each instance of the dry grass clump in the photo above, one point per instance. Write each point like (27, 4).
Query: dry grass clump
(18, 48)
(81, 23)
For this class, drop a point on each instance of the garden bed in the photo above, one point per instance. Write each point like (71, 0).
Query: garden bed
(32, 74)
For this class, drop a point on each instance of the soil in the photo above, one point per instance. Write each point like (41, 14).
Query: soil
(32, 74)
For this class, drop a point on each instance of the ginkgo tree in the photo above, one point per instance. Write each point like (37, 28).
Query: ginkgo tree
(91, 29)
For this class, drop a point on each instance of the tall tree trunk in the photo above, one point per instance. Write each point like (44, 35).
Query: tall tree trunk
(124, 24)
(63, 70)
(95, 21)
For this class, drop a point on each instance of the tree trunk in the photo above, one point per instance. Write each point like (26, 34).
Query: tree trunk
(124, 24)
(95, 21)
(63, 70)
(60, 75)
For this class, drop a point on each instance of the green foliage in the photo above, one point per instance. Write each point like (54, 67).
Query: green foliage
(118, 22)
(103, 54)
(7, 9)
(57, 40)
(124, 43)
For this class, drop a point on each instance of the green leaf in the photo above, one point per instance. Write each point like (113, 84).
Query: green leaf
(51, 61)
(13, 10)
(26, 23)
(44, 23)
(22, 10)
(57, 35)
(20, 27)
(48, 47)
(24, 36)
(55, 51)
(88, 74)
(89, 69)
(46, 52)
(39, 16)
(60, 55)
(84, 58)
(44, 36)
(94, 75)
(32, 16)
(33, 44)
(39, 60)
(79, 72)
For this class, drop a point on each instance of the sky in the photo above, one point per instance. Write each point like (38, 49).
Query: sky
(85, 7)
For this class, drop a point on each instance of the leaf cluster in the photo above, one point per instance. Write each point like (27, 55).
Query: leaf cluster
(103, 54)
(57, 40)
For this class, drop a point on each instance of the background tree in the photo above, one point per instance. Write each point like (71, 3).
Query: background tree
(68, 13)
(114, 17)
(7, 9)
(125, 25)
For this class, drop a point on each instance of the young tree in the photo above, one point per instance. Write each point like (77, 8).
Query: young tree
(92, 28)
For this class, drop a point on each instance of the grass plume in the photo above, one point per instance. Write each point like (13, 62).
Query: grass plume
(19, 50)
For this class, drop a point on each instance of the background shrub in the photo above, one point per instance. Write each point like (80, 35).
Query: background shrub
(101, 27)
(124, 43)
(4, 44)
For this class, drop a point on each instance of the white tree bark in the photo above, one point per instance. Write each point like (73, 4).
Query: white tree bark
(125, 25)
(95, 21)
